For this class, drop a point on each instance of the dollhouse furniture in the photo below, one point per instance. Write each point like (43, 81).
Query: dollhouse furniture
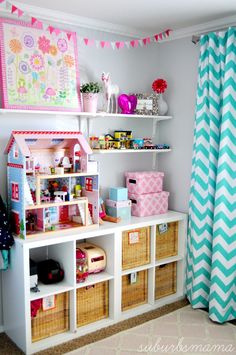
(41, 202)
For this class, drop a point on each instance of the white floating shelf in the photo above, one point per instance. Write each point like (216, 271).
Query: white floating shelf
(120, 151)
(49, 290)
(81, 114)
(95, 278)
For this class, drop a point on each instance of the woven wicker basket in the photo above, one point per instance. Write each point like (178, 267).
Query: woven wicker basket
(135, 294)
(167, 242)
(53, 321)
(136, 254)
(165, 280)
(92, 303)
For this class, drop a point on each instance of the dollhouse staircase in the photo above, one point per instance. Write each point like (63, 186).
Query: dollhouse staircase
(82, 214)
(28, 196)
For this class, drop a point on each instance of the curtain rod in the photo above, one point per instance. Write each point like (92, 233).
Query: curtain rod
(196, 38)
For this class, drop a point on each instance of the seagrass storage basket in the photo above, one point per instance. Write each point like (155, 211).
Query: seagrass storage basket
(165, 280)
(134, 294)
(92, 303)
(135, 252)
(52, 321)
(167, 241)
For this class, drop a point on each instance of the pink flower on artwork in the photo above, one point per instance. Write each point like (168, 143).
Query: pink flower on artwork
(44, 44)
(62, 45)
(36, 62)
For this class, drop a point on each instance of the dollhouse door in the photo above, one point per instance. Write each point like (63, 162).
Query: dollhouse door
(15, 222)
(63, 214)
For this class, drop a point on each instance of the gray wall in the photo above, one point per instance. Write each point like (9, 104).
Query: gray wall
(178, 63)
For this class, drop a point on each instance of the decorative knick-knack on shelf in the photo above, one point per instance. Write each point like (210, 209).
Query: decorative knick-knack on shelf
(89, 92)
(160, 86)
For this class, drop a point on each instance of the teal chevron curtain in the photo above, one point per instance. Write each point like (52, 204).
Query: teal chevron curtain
(211, 247)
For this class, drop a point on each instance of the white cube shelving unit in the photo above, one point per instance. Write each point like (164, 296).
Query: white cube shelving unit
(16, 281)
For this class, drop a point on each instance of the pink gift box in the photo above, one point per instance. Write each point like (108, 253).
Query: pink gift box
(144, 182)
(149, 204)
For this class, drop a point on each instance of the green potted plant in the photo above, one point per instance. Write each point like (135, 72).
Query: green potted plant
(90, 93)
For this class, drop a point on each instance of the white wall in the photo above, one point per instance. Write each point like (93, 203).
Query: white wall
(178, 64)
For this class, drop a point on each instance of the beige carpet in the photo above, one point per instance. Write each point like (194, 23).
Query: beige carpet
(85, 342)
(184, 331)
(9, 348)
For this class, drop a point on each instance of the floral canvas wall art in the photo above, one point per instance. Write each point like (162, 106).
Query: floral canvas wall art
(39, 69)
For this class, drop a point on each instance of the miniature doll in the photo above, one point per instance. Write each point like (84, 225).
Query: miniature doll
(103, 216)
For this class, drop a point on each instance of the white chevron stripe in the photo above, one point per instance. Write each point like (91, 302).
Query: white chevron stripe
(220, 292)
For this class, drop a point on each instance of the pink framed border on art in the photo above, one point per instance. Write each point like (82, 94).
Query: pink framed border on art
(39, 69)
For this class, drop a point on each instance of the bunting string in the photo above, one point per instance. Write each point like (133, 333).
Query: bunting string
(115, 45)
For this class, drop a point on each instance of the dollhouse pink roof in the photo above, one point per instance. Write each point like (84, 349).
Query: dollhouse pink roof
(46, 139)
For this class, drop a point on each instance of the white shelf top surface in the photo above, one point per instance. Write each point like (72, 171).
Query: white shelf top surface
(95, 278)
(81, 114)
(48, 290)
(105, 229)
(123, 151)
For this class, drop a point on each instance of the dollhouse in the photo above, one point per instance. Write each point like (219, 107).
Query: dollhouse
(50, 188)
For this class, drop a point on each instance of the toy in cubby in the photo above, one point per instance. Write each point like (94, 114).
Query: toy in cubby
(145, 190)
(49, 186)
(118, 205)
(90, 259)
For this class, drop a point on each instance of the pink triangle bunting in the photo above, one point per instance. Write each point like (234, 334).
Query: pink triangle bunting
(120, 45)
(69, 35)
(168, 32)
(33, 20)
(134, 43)
(20, 12)
(156, 37)
(102, 44)
(57, 31)
(13, 9)
(90, 42)
(146, 41)
(50, 29)
(86, 41)
(160, 36)
(40, 25)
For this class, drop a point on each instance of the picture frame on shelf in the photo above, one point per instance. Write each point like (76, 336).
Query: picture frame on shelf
(39, 69)
(147, 104)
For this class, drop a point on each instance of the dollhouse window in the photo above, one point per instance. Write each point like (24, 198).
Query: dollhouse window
(16, 152)
(89, 184)
(15, 191)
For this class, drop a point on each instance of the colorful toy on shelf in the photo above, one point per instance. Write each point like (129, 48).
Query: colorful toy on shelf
(81, 266)
(111, 93)
(96, 257)
(42, 202)
(127, 103)
(104, 216)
